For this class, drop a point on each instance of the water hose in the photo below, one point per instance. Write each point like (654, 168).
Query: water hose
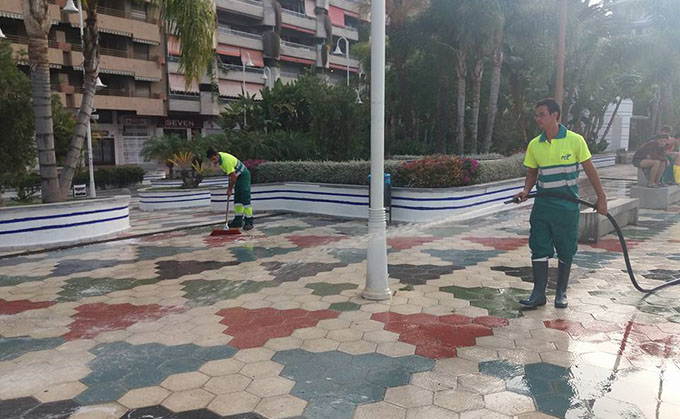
(624, 248)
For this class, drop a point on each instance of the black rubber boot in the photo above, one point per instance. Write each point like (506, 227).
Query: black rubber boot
(537, 297)
(248, 224)
(563, 270)
(237, 222)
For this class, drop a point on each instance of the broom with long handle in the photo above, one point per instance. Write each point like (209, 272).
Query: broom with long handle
(228, 230)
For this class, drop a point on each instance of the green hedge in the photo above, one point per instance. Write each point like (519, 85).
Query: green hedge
(356, 172)
(115, 176)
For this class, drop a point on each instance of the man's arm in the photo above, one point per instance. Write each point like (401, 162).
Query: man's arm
(529, 182)
(232, 181)
(594, 178)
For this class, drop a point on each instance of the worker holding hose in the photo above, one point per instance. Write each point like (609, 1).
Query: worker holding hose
(553, 159)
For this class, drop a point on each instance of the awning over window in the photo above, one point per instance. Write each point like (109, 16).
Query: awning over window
(174, 46)
(224, 49)
(177, 84)
(337, 16)
(231, 88)
(297, 60)
(255, 57)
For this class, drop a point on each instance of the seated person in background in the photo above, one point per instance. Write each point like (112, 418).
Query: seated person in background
(673, 154)
(652, 155)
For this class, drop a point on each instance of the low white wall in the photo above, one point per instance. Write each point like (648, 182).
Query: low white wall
(173, 199)
(63, 223)
(213, 181)
(604, 160)
(408, 204)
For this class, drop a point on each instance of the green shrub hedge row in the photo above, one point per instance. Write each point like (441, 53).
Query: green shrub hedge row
(424, 173)
(114, 176)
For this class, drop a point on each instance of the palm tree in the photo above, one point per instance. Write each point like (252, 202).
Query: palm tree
(191, 21)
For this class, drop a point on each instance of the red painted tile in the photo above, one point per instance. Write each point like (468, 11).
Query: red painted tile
(93, 319)
(500, 243)
(19, 306)
(313, 241)
(253, 328)
(613, 245)
(438, 336)
(405, 243)
(456, 319)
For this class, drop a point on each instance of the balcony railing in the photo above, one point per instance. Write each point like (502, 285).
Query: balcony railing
(239, 68)
(23, 40)
(296, 45)
(135, 14)
(108, 91)
(295, 13)
(228, 31)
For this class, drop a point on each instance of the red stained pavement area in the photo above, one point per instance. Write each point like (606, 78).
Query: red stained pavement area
(312, 241)
(405, 243)
(439, 336)
(253, 328)
(93, 319)
(500, 243)
(19, 306)
(613, 245)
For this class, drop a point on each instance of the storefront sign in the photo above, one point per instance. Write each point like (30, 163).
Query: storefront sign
(179, 123)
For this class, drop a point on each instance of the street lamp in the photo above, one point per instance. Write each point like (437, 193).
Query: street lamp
(338, 51)
(265, 77)
(377, 285)
(71, 8)
(244, 63)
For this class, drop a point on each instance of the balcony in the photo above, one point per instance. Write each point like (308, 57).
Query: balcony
(251, 8)
(298, 20)
(120, 61)
(55, 54)
(293, 49)
(114, 99)
(239, 38)
(235, 73)
(348, 32)
(340, 61)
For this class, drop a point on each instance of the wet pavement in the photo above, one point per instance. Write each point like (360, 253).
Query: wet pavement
(271, 324)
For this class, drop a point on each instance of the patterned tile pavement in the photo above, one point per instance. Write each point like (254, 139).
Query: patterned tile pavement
(271, 324)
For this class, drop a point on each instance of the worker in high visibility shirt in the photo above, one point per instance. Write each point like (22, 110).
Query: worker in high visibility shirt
(553, 159)
(239, 181)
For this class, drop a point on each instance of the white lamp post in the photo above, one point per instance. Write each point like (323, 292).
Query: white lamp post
(266, 77)
(377, 286)
(338, 51)
(244, 64)
(70, 8)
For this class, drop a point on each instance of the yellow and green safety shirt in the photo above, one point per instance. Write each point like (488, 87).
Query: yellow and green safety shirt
(558, 163)
(230, 164)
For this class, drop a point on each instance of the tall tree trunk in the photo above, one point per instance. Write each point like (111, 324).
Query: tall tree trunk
(611, 120)
(495, 89)
(518, 105)
(666, 111)
(37, 22)
(91, 65)
(477, 75)
(461, 73)
(405, 100)
(442, 114)
(654, 111)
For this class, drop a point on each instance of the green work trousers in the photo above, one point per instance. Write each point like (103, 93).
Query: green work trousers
(553, 230)
(242, 189)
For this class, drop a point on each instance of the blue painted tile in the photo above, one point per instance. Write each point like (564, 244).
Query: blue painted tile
(415, 363)
(101, 393)
(373, 360)
(501, 369)
(393, 377)
(547, 371)
(103, 374)
(553, 404)
(212, 353)
(178, 365)
(143, 378)
(11, 348)
(539, 386)
(518, 385)
(346, 375)
(316, 389)
(468, 257)
(179, 351)
(364, 392)
(329, 408)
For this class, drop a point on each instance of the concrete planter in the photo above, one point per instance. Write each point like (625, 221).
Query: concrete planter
(408, 204)
(63, 223)
(173, 199)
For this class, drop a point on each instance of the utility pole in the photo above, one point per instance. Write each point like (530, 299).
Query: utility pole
(561, 46)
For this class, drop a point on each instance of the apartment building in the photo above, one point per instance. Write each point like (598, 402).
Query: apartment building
(145, 93)
(249, 61)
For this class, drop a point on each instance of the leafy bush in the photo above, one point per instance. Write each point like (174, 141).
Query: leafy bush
(487, 156)
(356, 172)
(27, 187)
(115, 176)
(507, 168)
(440, 171)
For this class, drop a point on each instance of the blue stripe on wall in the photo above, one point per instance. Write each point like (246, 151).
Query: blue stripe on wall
(311, 193)
(457, 198)
(50, 217)
(175, 196)
(52, 227)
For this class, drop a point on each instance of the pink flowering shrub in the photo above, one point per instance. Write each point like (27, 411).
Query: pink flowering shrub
(438, 171)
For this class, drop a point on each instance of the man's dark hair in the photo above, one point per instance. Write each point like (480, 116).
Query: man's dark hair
(666, 129)
(663, 137)
(211, 152)
(551, 104)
